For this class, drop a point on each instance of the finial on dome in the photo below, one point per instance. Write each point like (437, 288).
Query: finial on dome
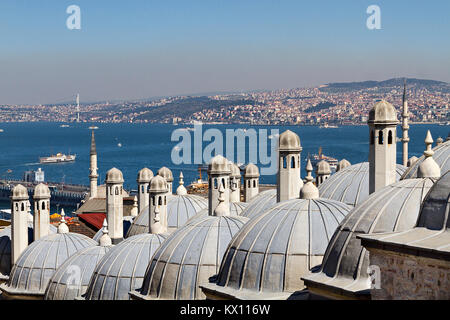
(134, 210)
(439, 141)
(429, 168)
(105, 240)
(62, 228)
(181, 190)
(222, 209)
(309, 190)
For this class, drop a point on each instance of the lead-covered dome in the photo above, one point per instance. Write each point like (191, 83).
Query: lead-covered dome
(144, 175)
(122, 268)
(71, 279)
(188, 258)
(441, 156)
(180, 208)
(260, 203)
(392, 208)
(166, 173)
(5, 248)
(158, 184)
(383, 112)
(235, 171)
(351, 185)
(38, 262)
(19, 192)
(219, 165)
(251, 171)
(323, 168)
(289, 141)
(41, 191)
(114, 175)
(273, 250)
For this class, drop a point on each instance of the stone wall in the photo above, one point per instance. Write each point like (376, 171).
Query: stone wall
(410, 277)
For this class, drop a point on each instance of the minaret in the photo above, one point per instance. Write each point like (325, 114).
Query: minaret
(93, 175)
(105, 240)
(429, 168)
(218, 175)
(235, 183)
(181, 190)
(143, 180)
(323, 172)
(383, 148)
(19, 221)
(405, 127)
(158, 205)
(289, 181)
(251, 182)
(309, 190)
(41, 219)
(166, 173)
(223, 208)
(114, 204)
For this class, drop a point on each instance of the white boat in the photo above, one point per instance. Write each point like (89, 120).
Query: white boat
(64, 126)
(93, 127)
(58, 158)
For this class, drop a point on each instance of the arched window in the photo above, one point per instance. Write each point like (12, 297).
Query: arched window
(110, 190)
(142, 189)
(372, 137)
(43, 205)
(165, 200)
(22, 207)
(284, 162)
(254, 183)
(380, 137)
(390, 137)
(223, 182)
(153, 200)
(215, 183)
(292, 162)
(160, 201)
(17, 206)
(117, 191)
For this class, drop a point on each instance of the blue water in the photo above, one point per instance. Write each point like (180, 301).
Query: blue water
(150, 145)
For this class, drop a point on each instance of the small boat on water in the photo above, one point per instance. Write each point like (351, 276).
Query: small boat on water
(199, 185)
(64, 126)
(1, 130)
(58, 158)
(316, 158)
(327, 126)
(93, 127)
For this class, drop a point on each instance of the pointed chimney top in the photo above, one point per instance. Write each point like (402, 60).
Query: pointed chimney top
(309, 190)
(62, 228)
(429, 168)
(429, 143)
(181, 190)
(105, 240)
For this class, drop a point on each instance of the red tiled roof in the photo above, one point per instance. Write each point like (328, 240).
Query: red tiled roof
(94, 219)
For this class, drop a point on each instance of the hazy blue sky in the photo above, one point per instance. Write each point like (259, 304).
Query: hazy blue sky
(142, 48)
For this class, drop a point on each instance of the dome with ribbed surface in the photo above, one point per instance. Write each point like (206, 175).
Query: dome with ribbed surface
(188, 258)
(5, 248)
(393, 208)
(71, 279)
(383, 112)
(235, 171)
(260, 203)
(122, 268)
(158, 184)
(166, 173)
(251, 171)
(180, 208)
(351, 185)
(219, 165)
(38, 262)
(114, 175)
(441, 156)
(289, 141)
(273, 250)
(144, 175)
(323, 167)
(41, 191)
(19, 192)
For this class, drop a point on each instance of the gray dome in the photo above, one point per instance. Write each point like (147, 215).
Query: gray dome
(37, 263)
(5, 248)
(122, 268)
(251, 171)
(351, 185)
(127, 223)
(235, 171)
(114, 175)
(236, 209)
(61, 285)
(180, 208)
(219, 165)
(392, 208)
(41, 191)
(289, 141)
(273, 250)
(189, 257)
(166, 173)
(441, 156)
(383, 112)
(19, 192)
(158, 184)
(144, 175)
(323, 167)
(260, 203)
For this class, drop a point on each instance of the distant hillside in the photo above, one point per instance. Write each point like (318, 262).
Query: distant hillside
(186, 107)
(395, 82)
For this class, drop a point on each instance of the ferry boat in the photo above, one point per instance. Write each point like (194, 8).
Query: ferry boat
(199, 185)
(316, 158)
(59, 157)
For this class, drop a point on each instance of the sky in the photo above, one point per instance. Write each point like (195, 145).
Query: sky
(144, 48)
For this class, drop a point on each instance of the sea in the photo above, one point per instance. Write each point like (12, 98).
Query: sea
(130, 147)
